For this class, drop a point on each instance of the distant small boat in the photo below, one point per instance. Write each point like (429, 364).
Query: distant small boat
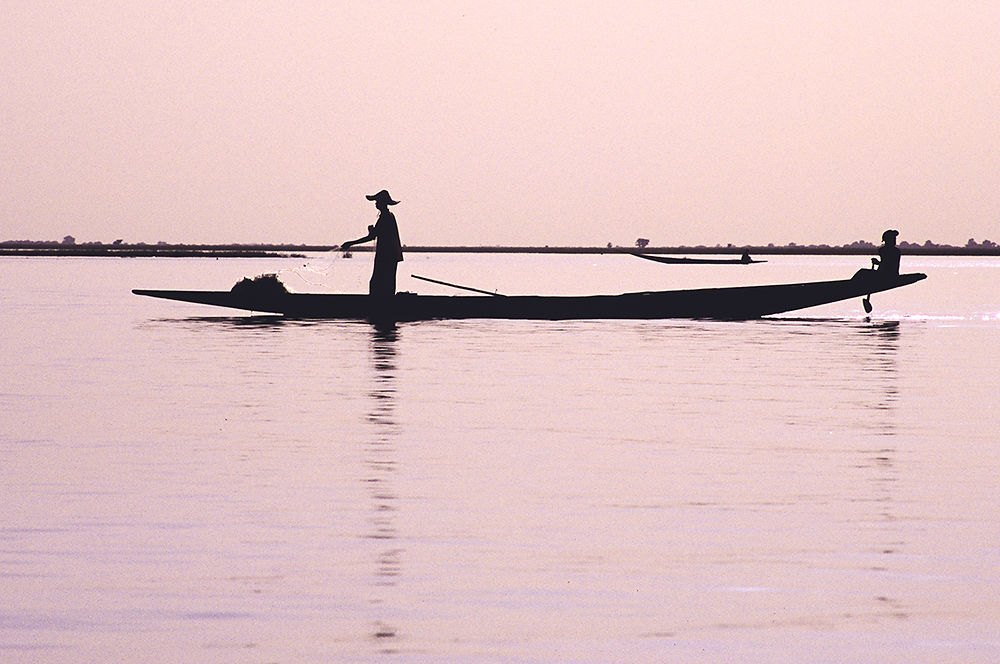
(698, 261)
(734, 303)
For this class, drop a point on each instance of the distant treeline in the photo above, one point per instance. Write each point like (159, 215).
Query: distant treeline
(141, 250)
(68, 247)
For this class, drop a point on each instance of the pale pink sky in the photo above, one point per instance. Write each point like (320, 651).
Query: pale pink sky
(562, 123)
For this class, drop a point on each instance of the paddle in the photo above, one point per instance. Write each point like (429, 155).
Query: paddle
(445, 283)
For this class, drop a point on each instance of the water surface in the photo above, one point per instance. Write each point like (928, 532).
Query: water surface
(189, 484)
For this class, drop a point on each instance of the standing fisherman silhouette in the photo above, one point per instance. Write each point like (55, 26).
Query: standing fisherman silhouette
(388, 250)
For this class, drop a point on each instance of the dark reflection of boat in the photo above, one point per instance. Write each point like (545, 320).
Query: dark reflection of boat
(380, 468)
(733, 303)
(885, 530)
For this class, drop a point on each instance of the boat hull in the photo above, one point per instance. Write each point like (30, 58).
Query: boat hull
(736, 303)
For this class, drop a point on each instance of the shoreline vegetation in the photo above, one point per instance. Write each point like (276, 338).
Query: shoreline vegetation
(165, 250)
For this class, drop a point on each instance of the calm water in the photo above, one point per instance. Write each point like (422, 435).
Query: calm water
(184, 484)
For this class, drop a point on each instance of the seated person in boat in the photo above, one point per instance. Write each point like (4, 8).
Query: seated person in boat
(388, 250)
(886, 266)
(887, 263)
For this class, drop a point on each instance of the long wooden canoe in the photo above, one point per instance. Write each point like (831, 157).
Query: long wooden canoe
(735, 303)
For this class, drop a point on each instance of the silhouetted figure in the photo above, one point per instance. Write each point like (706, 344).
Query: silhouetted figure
(886, 266)
(388, 250)
(887, 263)
(745, 258)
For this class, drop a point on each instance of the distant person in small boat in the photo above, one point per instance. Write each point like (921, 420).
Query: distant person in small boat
(887, 263)
(745, 258)
(388, 250)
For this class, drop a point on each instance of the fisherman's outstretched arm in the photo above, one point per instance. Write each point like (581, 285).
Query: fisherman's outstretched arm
(360, 240)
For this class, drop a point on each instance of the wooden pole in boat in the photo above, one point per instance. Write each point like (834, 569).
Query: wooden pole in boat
(445, 283)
